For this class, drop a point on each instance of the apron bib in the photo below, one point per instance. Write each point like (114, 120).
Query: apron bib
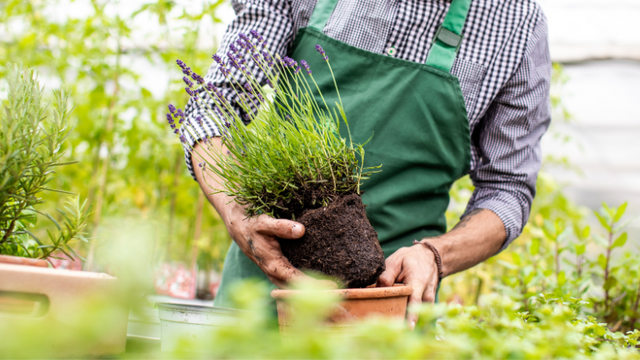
(417, 117)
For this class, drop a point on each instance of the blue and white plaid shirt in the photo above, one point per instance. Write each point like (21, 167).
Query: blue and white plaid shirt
(503, 66)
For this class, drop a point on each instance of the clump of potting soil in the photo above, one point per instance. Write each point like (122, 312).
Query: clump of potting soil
(339, 241)
(291, 162)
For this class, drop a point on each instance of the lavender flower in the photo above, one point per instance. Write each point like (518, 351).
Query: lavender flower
(267, 58)
(247, 87)
(187, 71)
(321, 51)
(199, 120)
(169, 118)
(183, 139)
(187, 81)
(181, 64)
(179, 113)
(197, 78)
(227, 124)
(172, 108)
(232, 60)
(305, 66)
(217, 59)
(176, 131)
(233, 48)
(191, 93)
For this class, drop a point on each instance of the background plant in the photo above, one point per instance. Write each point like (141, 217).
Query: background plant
(114, 59)
(30, 140)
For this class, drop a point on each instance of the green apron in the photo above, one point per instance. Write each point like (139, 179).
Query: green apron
(417, 116)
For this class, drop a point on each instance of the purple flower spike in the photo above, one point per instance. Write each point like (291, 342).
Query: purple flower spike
(227, 124)
(233, 48)
(197, 78)
(247, 87)
(183, 139)
(217, 59)
(191, 93)
(187, 81)
(181, 64)
(179, 113)
(176, 131)
(199, 120)
(169, 118)
(321, 51)
(172, 108)
(305, 65)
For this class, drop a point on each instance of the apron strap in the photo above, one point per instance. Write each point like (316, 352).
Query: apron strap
(321, 13)
(448, 38)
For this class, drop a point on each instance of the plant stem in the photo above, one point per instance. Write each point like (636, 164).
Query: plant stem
(635, 310)
(606, 272)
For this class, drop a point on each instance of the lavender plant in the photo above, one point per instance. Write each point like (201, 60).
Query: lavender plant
(292, 156)
(30, 141)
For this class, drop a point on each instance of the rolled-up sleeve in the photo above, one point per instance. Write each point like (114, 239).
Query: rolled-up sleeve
(270, 18)
(507, 139)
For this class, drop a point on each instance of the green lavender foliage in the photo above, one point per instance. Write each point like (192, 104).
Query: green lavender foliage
(292, 147)
(30, 140)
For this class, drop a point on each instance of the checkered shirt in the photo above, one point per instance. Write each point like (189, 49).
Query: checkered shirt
(503, 66)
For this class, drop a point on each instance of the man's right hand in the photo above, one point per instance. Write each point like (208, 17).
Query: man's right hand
(257, 238)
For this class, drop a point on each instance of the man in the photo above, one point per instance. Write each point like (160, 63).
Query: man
(449, 87)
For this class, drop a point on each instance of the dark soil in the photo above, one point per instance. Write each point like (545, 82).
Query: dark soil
(339, 241)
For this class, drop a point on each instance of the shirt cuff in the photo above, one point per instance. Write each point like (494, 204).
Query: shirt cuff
(511, 207)
(196, 127)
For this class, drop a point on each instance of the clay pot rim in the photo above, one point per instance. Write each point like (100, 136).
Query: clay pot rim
(18, 260)
(396, 290)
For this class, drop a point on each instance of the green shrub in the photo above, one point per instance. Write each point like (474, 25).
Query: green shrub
(30, 141)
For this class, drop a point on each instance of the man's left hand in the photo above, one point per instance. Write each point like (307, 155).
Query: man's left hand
(414, 266)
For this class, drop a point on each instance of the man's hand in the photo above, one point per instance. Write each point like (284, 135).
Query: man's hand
(478, 236)
(414, 266)
(257, 238)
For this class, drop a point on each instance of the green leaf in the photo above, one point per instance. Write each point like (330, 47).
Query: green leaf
(602, 261)
(562, 278)
(603, 221)
(620, 241)
(534, 249)
(621, 209)
(580, 249)
(610, 283)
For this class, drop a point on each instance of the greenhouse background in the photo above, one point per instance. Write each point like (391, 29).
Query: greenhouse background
(151, 226)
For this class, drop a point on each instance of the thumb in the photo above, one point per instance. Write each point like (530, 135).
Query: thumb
(284, 229)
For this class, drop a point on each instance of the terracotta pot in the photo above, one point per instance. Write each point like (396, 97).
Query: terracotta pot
(356, 304)
(16, 260)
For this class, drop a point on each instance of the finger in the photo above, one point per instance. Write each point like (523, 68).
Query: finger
(282, 272)
(429, 295)
(285, 229)
(390, 274)
(415, 299)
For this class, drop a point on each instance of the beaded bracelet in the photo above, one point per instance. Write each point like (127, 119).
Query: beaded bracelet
(436, 255)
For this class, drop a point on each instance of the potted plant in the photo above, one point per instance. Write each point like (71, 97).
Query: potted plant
(36, 300)
(292, 163)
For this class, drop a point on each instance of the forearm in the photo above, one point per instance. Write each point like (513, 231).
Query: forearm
(210, 182)
(477, 237)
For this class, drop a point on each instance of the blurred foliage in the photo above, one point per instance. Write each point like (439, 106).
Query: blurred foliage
(495, 328)
(113, 58)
